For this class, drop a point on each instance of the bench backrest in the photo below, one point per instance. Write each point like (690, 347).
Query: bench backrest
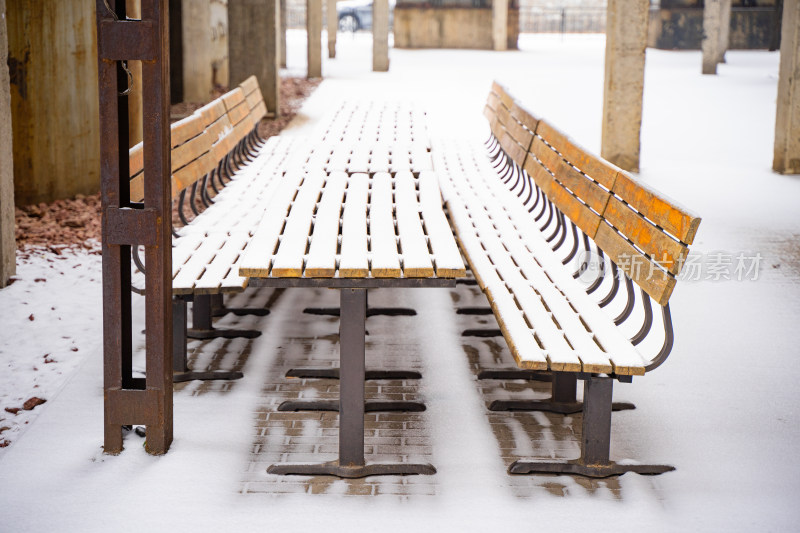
(200, 141)
(190, 145)
(643, 232)
(511, 125)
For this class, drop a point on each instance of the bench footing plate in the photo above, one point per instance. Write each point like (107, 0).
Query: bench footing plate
(239, 311)
(333, 373)
(549, 406)
(216, 333)
(577, 468)
(352, 471)
(515, 373)
(333, 405)
(180, 377)
(371, 311)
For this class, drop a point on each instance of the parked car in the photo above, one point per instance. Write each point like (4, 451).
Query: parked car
(356, 15)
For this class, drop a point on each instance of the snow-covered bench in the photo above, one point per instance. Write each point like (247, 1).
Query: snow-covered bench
(531, 215)
(216, 148)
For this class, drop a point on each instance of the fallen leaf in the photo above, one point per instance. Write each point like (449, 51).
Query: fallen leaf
(33, 402)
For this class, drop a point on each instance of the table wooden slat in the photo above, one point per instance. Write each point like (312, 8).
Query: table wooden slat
(445, 250)
(353, 262)
(415, 253)
(383, 238)
(288, 260)
(321, 261)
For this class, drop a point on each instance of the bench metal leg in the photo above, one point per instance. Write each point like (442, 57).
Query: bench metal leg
(180, 368)
(218, 308)
(203, 327)
(595, 441)
(563, 400)
(351, 462)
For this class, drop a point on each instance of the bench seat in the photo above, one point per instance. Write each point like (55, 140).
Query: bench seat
(546, 317)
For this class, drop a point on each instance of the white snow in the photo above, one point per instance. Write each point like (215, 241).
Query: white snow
(722, 409)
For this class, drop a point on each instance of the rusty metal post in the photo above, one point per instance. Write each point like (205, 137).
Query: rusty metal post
(125, 224)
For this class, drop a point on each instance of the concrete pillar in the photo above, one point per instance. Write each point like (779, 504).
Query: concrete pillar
(254, 46)
(283, 33)
(626, 40)
(380, 36)
(314, 37)
(52, 62)
(8, 244)
(724, 30)
(712, 38)
(787, 123)
(219, 43)
(333, 25)
(500, 24)
(197, 74)
(135, 121)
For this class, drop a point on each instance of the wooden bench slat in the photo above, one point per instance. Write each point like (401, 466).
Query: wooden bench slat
(212, 111)
(598, 169)
(136, 159)
(583, 217)
(502, 94)
(321, 261)
(382, 233)
(414, 247)
(658, 208)
(648, 276)
(513, 149)
(354, 261)
(185, 129)
(220, 266)
(447, 258)
(232, 98)
(183, 250)
(659, 246)
(288, 261)
(249, 85)
(379, 159)
(184, 281)
(186, 176)
(582, 187)
(526, 120)
(189, 151)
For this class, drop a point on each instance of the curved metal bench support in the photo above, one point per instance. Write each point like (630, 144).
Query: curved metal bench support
(626, 312)
(648, 320)
(669, 338)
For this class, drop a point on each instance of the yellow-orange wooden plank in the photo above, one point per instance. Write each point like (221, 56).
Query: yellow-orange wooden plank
(186, 129)
(655, 206)
(652, 240)
(655, 282)
(598, 169)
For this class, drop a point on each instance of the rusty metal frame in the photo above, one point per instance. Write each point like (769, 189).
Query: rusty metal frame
(130, 400)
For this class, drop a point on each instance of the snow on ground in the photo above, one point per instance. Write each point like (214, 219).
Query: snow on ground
(722, 409)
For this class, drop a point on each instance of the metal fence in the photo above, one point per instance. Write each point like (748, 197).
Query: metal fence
(562, 20)
(531, 19)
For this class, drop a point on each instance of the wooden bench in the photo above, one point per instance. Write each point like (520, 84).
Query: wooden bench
(531, 214)
(215, 148)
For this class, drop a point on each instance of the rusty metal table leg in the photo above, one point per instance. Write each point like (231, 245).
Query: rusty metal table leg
(351, 462)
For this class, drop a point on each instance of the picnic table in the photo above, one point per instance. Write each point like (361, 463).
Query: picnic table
(354, 232)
